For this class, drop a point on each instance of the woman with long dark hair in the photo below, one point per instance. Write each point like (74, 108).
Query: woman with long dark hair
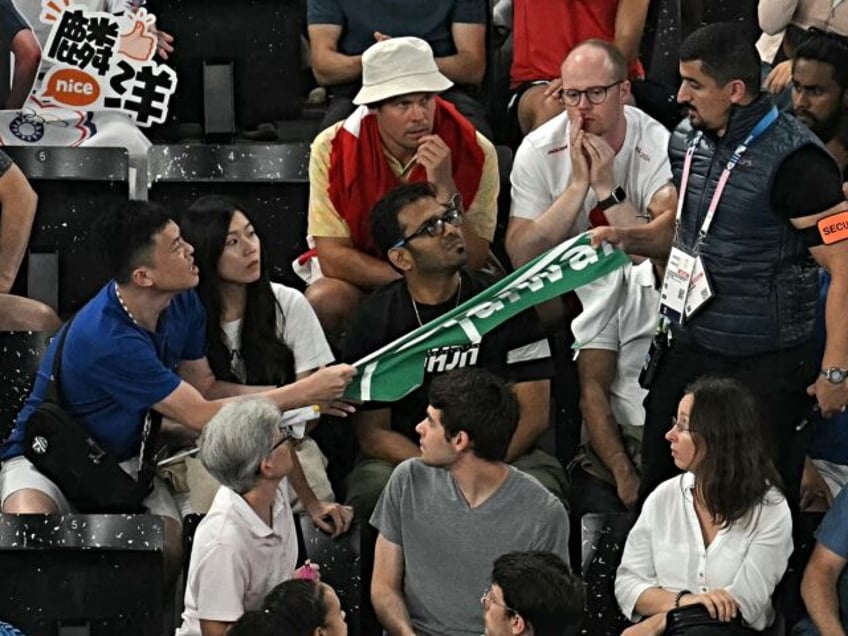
(258, 332)
(719, 535)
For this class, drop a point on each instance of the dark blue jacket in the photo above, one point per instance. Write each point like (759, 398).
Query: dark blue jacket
(763, 278)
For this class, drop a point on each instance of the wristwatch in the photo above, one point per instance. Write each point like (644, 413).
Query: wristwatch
(834, 375)
(616, 196)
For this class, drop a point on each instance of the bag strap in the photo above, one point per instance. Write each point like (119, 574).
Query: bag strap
(54, 392)
(149, 437)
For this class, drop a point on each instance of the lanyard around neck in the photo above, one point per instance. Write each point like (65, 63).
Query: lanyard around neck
(765, 121)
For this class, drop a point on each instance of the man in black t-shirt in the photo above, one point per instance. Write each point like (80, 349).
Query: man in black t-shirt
(820, 91)
(422, 238)
(819, 99)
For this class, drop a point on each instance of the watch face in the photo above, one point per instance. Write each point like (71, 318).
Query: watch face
(616, 196)
(835, 374)
(619, 194)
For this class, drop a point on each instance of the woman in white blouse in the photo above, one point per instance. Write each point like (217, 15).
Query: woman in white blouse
(720, 534)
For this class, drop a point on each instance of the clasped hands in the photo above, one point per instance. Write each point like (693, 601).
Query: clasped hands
(592, 160)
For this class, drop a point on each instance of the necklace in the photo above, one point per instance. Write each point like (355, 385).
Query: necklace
(415, 304)
(124, 305)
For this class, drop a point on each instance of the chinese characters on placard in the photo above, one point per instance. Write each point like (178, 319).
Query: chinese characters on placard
(104, 61)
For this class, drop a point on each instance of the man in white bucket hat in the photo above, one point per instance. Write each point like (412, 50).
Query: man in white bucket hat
(402, 132)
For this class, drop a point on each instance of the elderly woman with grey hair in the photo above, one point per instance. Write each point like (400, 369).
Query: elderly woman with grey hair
(246, 544)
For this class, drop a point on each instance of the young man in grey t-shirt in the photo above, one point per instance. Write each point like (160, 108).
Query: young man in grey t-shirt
(444, 517)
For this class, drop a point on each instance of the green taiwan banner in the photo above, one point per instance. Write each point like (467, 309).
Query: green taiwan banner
(452, 340)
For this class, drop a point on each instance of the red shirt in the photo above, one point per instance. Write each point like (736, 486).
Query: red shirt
(544, 34)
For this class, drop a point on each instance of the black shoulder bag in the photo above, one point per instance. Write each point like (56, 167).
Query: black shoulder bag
(62, 450)
(682, 619)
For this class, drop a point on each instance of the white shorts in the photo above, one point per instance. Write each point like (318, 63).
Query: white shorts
(18, 473)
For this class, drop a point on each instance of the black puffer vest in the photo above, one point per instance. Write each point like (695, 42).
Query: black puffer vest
(763, 278)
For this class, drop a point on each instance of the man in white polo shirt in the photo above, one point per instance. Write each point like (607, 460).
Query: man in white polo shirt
(605, 473)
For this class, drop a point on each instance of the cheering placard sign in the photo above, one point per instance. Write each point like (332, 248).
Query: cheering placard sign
(102, 61)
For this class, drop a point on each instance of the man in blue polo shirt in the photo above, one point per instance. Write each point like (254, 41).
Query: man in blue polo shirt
(824, 587)
(139, 344)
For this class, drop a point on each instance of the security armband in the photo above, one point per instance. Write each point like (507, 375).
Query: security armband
(833, 228)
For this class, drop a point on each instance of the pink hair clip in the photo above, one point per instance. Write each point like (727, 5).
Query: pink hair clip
(308, 572)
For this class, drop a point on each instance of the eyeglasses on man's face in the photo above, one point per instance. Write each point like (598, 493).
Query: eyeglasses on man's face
(595, 94)
(486, 599)
(436, 226)
(285, 435)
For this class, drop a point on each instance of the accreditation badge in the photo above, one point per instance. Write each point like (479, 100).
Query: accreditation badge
(700, 290)
(675, 287)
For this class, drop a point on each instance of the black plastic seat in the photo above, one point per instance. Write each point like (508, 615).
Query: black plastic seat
(20, 355)
(271, 181)
(74, 186)
(82, 574)
(602, 541)
(340, 566)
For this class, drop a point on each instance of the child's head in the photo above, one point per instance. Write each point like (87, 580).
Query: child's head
(306, 608)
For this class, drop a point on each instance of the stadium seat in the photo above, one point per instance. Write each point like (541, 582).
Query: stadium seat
(74, 575)
(20, 355)
(271, 181)
(340, 566)
(74, 186)
(602, 542)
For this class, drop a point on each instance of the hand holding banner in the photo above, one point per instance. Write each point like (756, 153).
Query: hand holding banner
(396, 369)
